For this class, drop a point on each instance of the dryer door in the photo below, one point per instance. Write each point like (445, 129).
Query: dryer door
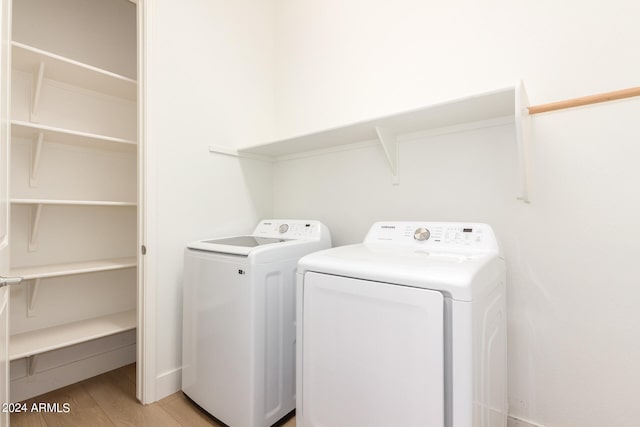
(372, 354)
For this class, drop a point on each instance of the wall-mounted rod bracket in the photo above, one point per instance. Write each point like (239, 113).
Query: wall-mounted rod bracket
(32, 293)
(38, 78)
(36, 212)
(36, 150)
(389, 142)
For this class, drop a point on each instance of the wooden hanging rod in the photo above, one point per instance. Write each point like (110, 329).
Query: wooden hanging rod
(585, 100)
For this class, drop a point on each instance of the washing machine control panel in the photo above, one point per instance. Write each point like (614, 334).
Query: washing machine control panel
(288, 229)
(435, 235)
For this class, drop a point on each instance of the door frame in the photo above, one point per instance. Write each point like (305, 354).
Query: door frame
(146, 288)
(5, 128)
(146, 292)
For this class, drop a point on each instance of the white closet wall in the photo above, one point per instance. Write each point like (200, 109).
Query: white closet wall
(73, 191)
(101, 33)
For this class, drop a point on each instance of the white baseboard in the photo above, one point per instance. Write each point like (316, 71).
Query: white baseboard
(168, 383)
(514, 421)
(59, 368)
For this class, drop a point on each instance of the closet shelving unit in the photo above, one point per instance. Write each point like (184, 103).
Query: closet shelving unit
(36, 273)
(46, 66)
(500, 106)
(40, 202)
(31, 344)
(39, 133)
(31, 59)
(68, 269)
(72, 137)
(38, 207)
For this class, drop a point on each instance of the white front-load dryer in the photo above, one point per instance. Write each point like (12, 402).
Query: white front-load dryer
(238, 350)
(406, 329)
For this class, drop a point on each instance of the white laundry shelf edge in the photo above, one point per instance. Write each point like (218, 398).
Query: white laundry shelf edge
(508, 102)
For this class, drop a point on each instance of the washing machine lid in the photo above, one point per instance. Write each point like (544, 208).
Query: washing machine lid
(268, 235)
(237, 245)
(436, 256)
(245, 241)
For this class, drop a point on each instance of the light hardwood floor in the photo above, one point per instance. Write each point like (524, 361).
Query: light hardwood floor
(110, 400)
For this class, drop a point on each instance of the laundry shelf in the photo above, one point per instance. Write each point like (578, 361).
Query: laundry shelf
(70, 202)
(55, 270)
(57, 67)
(35, 342)
(476, 108)
(503, 105)
(71, 137)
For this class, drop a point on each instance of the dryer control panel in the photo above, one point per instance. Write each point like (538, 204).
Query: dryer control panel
(289, 229)
(470, 237)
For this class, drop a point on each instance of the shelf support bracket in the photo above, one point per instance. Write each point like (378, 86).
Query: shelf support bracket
(36, 212)
(389, 142)
(37, 91)
(32, 362)
(32, 293)
(36, 150)
(523, 139)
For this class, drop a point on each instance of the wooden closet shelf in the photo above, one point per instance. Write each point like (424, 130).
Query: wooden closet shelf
(56, 67)
(70, 202)
(71, 137)
(55, 270)
(34, 342)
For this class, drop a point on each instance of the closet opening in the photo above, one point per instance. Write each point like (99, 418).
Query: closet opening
(76, 194)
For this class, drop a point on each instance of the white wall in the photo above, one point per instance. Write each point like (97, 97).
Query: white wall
(209, 81)
(571, 253)
(339, 61)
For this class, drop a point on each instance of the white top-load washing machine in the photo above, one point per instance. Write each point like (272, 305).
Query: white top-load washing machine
(406, 329)
(239, 321)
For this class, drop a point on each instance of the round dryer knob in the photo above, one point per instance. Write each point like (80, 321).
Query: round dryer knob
(283, 228)
(421, 234)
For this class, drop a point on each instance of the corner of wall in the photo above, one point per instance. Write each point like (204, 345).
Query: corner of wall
(170, 382)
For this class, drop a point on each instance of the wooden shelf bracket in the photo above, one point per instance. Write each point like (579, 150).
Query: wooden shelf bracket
(32, 293)
(36, 213)
(38, 78)
(523, 138)
(389, 142)
(36, 150)
(32, 362)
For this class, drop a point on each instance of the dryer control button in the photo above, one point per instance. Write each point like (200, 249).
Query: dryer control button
(283, 228)
(421, 234)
